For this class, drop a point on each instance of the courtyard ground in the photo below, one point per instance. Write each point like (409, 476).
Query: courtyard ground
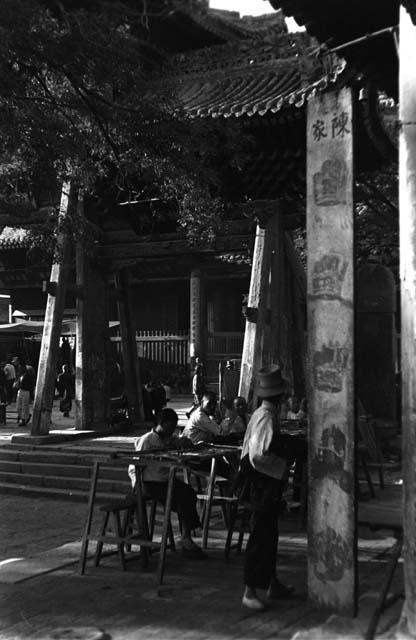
(43, 596)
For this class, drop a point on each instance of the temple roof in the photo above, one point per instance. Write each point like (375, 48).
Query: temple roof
(14, 238)
(251, 77)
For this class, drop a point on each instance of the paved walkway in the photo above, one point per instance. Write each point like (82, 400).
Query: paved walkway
(42, 595)
(61, 424)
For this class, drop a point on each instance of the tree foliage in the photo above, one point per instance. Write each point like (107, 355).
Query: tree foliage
(82, 97)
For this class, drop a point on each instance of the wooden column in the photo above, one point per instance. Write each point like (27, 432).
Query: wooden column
(331, 526)
(195, 320)
(256, 312)
(92, 389)
(132, 383)
(298, 283)
(280, 346)
(45, 383)
(407, 200)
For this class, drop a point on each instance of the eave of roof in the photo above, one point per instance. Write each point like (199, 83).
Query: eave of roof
(14, 238)
(251, 78)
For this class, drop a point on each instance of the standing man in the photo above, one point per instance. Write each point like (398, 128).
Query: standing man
(10, 375)
(66, 387)
(267, 469)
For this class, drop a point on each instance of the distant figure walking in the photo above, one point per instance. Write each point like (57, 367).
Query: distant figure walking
(10, 373)
(65, 387)
(198, 384)
(25, 384)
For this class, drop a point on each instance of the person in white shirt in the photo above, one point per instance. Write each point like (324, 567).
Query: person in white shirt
(202, 425)
(295, 412)
(240, 417)
(267, 469)
(155, 479)
(10, 378)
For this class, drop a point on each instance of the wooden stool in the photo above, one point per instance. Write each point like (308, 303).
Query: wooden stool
(121, 531)
(239, 521)
(207, 497)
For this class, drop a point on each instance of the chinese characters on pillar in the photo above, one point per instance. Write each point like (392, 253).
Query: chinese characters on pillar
(330, 348)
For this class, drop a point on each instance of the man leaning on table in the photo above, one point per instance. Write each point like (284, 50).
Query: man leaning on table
(155, 479)
(202, 425)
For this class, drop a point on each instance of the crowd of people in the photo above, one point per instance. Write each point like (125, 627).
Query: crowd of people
(18, 382)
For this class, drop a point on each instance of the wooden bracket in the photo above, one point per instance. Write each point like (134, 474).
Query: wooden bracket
(49, 287)
(252, 313)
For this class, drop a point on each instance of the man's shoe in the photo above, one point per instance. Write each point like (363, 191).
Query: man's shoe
(253, 603)
(280, 591)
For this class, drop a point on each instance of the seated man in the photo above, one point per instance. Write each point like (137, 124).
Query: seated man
(239, 416)
(202, 426)
(295, 412)
(155, 479)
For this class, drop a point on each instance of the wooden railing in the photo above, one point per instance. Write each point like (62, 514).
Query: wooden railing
(161, 346)
(226, 343)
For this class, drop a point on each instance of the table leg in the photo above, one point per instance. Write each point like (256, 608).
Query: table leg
(208, 506)
(88, 522)
(143, 528)
(165, 531)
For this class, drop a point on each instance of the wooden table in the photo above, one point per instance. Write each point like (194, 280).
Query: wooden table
(173, 460)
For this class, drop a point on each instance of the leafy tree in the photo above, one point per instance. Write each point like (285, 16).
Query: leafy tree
(81, 99)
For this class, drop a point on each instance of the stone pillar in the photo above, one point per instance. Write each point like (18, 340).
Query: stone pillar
(407, 201)
(92, 389)
(132, 384)
(195, 320)
(48, 358)
(330, 286)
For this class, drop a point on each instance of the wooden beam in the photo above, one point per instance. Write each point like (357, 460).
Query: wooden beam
(132, 382)
(332, 571)
(280, 347)
(407, 201)
(45, 384)
(165, 248)
(92, 388)
(256, 312)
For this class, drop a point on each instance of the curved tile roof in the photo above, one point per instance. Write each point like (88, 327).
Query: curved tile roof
(251, 78)
(14, 238)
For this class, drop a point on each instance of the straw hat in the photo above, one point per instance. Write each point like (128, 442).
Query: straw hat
(270, 382)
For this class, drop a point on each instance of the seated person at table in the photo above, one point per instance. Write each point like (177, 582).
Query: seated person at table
(295, 412)
(155, 479)
(236, 417)
(202, 426)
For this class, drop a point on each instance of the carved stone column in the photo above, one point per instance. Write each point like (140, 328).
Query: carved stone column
(331, 526)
